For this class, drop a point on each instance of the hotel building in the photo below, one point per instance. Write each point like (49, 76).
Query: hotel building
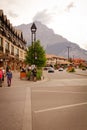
(12, 44)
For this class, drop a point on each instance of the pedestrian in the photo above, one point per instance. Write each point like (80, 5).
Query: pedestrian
(9, 77)
(1, 76)
(3, 70)
(7, 68)
(34, 71)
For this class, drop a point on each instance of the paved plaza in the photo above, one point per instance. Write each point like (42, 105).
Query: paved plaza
(23, 105)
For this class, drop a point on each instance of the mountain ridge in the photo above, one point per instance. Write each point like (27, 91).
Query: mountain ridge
(53, 43)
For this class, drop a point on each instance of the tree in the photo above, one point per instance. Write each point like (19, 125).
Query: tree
(36, 55)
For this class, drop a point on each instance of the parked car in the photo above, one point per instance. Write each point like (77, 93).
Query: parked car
(51, 70)
(84, 68)
(60, 69)
(46, 68)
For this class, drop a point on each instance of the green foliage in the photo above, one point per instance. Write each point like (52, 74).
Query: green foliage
(36, 55)
(38, 76)
(28, 74)
(71, 69)
(80, 65)
(55, 66)
(29, 55)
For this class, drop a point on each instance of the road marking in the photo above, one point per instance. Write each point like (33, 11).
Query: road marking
(59, 91)
(27, 118)
(61, 107)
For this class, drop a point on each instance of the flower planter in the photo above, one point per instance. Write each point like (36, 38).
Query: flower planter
(22, 75)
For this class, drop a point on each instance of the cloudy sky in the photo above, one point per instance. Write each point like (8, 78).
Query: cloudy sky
(66, 17)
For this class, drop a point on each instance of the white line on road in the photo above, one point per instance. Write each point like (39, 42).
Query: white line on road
(59, 91)
(61, 107)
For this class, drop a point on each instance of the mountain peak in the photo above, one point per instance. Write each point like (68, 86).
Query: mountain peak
(53, 43)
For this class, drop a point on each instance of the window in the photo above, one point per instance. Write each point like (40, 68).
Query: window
(12, 50)
(21, 54)
(16, 51)
(6, 45)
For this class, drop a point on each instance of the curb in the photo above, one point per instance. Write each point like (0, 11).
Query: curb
(81, 74)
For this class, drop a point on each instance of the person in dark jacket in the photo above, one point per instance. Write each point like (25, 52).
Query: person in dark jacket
(9, 77)
(7, 68)
(34, 71)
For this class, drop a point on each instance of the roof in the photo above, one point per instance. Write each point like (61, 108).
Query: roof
(54, 56)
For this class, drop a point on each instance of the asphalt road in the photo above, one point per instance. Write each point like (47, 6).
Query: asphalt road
(60, 103)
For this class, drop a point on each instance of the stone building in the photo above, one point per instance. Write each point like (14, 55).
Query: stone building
(12, 44)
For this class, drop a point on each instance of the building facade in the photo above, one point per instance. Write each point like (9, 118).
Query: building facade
(12, 44)
(56, 60)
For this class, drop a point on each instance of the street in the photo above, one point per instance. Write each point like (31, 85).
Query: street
(60, 103)
(57, 102)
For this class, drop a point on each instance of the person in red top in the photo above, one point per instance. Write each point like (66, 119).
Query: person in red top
(1, 76)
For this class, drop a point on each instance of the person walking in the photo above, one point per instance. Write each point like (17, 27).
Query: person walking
(7, 68)
(9, 77)
(1, 76)
(34, 71)
(3, 70)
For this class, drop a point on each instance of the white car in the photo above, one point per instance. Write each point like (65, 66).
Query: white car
(60, 69)
(51, 70)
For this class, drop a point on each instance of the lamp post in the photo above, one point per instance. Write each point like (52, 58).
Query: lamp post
(33, 31)
(33, 37)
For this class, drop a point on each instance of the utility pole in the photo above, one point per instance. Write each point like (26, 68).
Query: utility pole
(68, 51)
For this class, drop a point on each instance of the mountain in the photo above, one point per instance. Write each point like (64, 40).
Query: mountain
(53, 43)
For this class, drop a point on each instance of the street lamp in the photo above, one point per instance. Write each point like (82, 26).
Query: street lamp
(33, 38)
(33, 31)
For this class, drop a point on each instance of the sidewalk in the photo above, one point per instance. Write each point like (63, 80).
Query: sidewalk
(17, 82)
(15, 101)
(81, 72)
(15, 105)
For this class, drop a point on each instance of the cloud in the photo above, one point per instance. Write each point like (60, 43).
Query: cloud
(69, 6)
(13, 15)
(44, 17)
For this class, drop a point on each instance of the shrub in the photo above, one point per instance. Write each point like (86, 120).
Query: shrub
(71, 69)
(38, 75)
(28, 74)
